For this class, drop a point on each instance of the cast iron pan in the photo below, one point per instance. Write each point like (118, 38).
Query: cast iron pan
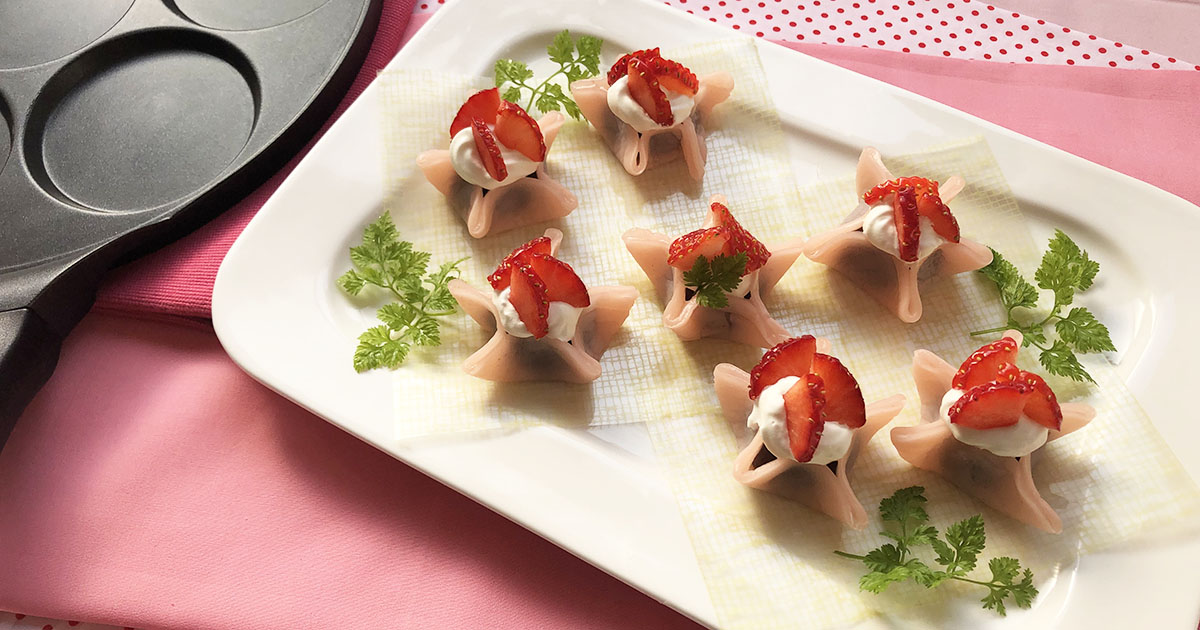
(126, 123)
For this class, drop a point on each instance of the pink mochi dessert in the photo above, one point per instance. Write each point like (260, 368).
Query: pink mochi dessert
(649, 109)
(494, 173)
(802, 423)
(981, 425)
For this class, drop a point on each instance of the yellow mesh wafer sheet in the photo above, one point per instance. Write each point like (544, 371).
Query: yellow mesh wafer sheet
(646, 359)
(768, 562)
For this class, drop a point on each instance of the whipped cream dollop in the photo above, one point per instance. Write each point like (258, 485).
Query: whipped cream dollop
(469, 166)
(563, 318)
(623, 105)
(879, 226)
(770, 418)
(1017, 440)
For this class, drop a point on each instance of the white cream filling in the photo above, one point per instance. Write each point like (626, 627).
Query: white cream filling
(1017, 440)
(623, 105)
(563, 318)
(464, 156)
(879, 226)
(770, 418)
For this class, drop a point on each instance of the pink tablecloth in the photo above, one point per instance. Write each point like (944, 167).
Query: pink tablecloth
(153, 484)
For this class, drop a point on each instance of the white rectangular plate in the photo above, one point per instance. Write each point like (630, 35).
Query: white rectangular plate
(598, 493)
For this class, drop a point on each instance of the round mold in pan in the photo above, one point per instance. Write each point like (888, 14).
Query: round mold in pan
(38, 31)
(5, 134)
(244, 15)
(141, 120)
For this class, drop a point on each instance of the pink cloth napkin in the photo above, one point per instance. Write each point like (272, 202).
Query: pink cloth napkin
(153, 484)
(1133, 121)
(170, 504)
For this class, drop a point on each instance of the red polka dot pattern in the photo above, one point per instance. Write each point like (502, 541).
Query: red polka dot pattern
(960, 29)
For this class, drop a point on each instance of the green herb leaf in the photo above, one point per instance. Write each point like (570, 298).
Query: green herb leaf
(512, 94)
(878, 581)
(906, 505)
(1004, 584)
(551, 99)
(561, 49)
(967, 539)
(576, 59)
(1083, 332)
(891, 563)
(713, 279)
(377, 349)
(511, 70)
(385, 261)
(1065, 270)
(1060, 359)
(351, 282)
(589, 53)
(1015, 290)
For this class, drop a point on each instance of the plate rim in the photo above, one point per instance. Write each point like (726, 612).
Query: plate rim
(225, 312)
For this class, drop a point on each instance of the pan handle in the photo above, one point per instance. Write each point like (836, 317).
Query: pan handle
(28, 353)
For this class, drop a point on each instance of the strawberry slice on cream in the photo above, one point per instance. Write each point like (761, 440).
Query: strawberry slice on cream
(982, 424)
(801, 423)
(901, 233)
(494, 174)
(648, 108)
(546, 324)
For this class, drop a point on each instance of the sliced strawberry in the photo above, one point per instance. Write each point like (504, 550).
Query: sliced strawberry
(500, 277)
(877, 194)
(988, 364)
(644, 89)
(482, 105)
(489, 152)
(517, 131)
(707, 242)
(621, 67)
(741, 240)
(1040, 404)
(528, 297)
(793, 357)
(562, 283)
(930, 206)
(920, 185)
(843, 398)
(908, 223)
(804, 406)
(990, 405)
(674, 76)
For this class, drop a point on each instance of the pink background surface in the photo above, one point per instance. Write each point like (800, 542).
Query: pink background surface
(153, 484)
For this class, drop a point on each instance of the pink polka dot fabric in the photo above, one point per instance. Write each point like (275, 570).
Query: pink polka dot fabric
(963, 29)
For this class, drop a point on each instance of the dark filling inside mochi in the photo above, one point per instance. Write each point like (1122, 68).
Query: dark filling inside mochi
(763, 457)
(532, 175)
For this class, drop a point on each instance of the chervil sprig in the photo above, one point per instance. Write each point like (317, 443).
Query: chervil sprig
(576, 59)
(1065, 270)
(383, 260)
(957, 554)
(713, 279)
